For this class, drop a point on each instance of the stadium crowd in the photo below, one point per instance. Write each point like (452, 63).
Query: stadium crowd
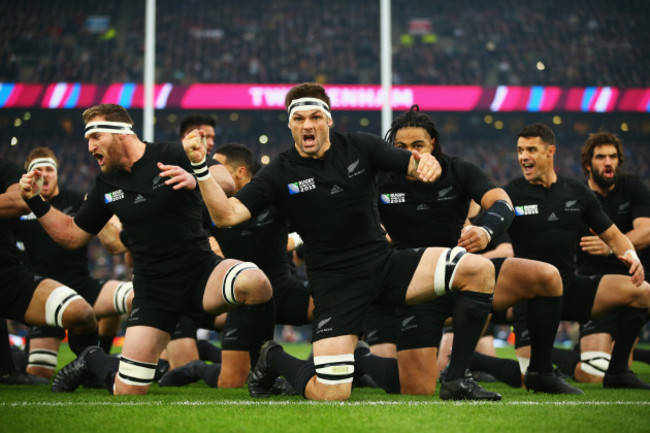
(590, 43)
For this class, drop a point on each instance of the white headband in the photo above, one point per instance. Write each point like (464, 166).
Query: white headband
(303, 104)
(109, 127)
(40, 162)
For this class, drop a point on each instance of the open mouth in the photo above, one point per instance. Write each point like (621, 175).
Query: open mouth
(527, 167)
(308, 138)
(100, 158)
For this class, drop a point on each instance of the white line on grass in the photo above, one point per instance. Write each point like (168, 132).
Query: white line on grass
(297, 403)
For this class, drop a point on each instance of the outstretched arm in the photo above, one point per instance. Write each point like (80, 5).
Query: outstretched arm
(12, 204)
(424, 167)
(224, 211)
(59, 226)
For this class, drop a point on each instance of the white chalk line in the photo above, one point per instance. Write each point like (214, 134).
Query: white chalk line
(315, 403)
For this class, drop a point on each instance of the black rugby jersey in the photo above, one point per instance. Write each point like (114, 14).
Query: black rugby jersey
(164, 226)
(42, 254)
(10, 174)
(331, 202)
(629, 199)
(548, 220)
(416, 214)
(261, 240)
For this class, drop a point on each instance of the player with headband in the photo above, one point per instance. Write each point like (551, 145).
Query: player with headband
(150, 188)
(325, 185)
(110, 298)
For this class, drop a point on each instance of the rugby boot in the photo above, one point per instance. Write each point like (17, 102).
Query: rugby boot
(550, 383)
(71, 376)
(22, 378)
(182, 375)
(465, 388)
(262, 377)
(627, 379)
(282, 387)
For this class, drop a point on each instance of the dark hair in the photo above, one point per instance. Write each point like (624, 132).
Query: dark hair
(193, 121)
(598, 139)
(307, 90)
(40, 152)
(239, 155)
(112, 113)
(414, 119)
(538, 130)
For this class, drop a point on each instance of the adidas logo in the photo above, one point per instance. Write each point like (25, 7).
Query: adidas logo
(422, 207)
(336, 189)
(139, 199)
(552, 217)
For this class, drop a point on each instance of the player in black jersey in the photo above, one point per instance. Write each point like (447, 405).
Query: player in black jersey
(550, 210)
(27, 297)
(42, 255)
(626, 200)
(325, 186)
(175, 272)
(263, 241)
(416, 215)
(203, 122)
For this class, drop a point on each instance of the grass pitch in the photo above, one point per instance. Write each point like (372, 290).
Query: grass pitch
(197, 408)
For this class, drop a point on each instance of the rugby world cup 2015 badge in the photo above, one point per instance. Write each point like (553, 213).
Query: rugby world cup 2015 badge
(116, 195)
(392, 198)
(302, 186)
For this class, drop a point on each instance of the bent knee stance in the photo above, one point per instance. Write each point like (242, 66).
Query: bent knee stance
(121, 297)
(446, 268)
(240, 287)
(334, 370)
(58, 302)
(594, 363)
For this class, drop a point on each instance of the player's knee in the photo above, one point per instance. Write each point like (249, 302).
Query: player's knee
(231, 380)
(250, 286)
(65, 308)
(641, 297)
(550, 280)
(420, 387)
(80, 317)
(122, 297)
(476, 274)
(134, 377)
(334, 376)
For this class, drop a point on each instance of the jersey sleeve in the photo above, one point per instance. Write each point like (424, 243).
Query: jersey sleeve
(594, 213)
(92, 216)
(259, 193)
(477, 181)
(384, 156)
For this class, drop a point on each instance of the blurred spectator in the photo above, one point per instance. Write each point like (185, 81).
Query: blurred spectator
(549, 42)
